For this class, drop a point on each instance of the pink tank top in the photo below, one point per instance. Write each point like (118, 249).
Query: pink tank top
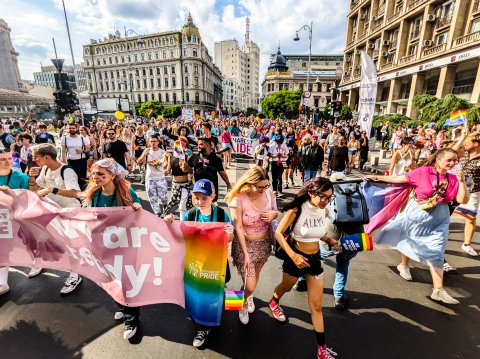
(252, 216)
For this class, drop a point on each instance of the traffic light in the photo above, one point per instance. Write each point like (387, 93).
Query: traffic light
(59, 100)
(66, 101)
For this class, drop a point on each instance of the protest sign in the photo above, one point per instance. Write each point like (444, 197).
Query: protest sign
(244, 146)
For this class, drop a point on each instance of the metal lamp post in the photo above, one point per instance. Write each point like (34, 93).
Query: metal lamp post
(297, 38)
(130, 68)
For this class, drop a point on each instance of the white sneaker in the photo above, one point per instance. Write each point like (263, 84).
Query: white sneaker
(70, 284)
(441, 295)
(250, 304)
(243, 316)
(34, 272)
(404, 272)
(129, 332)
(118, 315)
(469, 250)
(4, 288)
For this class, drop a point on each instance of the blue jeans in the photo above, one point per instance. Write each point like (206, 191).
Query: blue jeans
(341, 270)
(308, 175)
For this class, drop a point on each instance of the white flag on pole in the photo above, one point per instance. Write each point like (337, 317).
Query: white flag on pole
(368, 93)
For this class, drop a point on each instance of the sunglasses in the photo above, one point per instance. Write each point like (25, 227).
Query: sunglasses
(111, 134)
(262, 188)
(324, 198)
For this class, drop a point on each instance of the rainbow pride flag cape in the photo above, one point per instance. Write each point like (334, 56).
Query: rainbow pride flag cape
(234, 299)
(457, 118)
(357, 242)
(204, 273)
(465, 212)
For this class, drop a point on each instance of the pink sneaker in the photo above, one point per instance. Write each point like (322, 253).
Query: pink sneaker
(325, 353)
(277, 311)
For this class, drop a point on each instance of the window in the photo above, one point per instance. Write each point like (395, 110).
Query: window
(158, 70)
(139, 98)
(144, 71)
(195, 69)
(172, 40)
(165, 81)
(111, 74)
(135, 57)
(174, 97)
(164, 41)
(412, 49)
(185, 52)
(172, 54)
(145, 96)
(106, 86)
(138, 84)
(173, 69)
(142, 56)
(118, 73)
(149, 55)
(122, 59)
(475, 26)
(174, 82)
(98, 62)
(156, 42)
(151, 71)
(194, 52)
(151, 84)
(187, 97)
(104, 61)
(159, 82)
(186, 80)
(113, 86)
(145, 84)
(167, 98)
(194, 39)
(197, 97)
(164, 54)
(441, 38)
(159, 97)
(124, 72)
(185, 38)
(195, 81)
(165, 70)
(99, 75)
(447, 8)
(137, 72)
(185, 68)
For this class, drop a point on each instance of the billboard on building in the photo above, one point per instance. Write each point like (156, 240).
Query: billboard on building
(112, 104)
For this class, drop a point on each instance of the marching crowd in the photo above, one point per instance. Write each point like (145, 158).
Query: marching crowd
(93, 166)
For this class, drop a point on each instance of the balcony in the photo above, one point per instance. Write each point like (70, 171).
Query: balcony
(393, 45)
(434, 49)
(458, 90)
(407, 59)
(375, 53)
(386, 65)
(363, 36)
(394, 17)
(351, 43)
(415, 4)
(467, 39)
(377, 24)
(444, 21)
(357, 74)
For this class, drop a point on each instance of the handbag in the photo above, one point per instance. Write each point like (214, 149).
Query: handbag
(279, 251)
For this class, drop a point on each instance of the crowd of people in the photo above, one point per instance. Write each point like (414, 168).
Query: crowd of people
(93, 165)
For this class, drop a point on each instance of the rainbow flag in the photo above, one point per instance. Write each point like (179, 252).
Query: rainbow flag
(204, 274)
(465, 212)
(457, 118)
(357, 242)
(179, 150)
(234, 299)
(149, 111)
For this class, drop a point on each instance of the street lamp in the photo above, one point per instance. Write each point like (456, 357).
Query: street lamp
(130, 68)
(297, 38)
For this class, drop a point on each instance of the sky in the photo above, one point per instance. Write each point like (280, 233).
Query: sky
(35, 22)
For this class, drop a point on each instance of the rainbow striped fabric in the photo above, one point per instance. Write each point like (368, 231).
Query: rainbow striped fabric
(357, 242)
(205, 267)
(234, 299)
(456, 118)
(465, 212)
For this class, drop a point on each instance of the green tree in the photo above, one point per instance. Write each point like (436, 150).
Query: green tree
(345, 113)
(155, 105)
(283, 103)
(251, 111)
(172, 111)
(433, 109)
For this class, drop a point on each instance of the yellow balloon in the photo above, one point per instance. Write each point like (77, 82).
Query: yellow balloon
(119, 115)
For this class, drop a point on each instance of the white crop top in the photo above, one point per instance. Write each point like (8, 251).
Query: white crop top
(311, 225)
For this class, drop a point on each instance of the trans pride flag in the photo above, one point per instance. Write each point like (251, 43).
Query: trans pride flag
(205, 267)
(384, 200)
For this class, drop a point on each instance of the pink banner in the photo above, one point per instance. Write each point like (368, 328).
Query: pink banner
(134, 256)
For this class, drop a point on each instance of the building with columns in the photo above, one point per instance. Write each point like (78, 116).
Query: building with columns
(241, 66)
(290, 72)
(173, 67)
(9, 72)
(418, 47)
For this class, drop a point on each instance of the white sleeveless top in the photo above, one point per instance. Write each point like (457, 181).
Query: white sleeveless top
(311, 225)
(399, 168)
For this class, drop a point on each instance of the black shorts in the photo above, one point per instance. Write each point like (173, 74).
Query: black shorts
(314, 260)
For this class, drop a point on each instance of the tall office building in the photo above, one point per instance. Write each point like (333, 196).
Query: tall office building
(9, 72)
(173, 67)
(418, 46)
(46, 77)
(241, 66)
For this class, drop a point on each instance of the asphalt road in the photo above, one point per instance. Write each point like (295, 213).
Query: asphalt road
(387, 318)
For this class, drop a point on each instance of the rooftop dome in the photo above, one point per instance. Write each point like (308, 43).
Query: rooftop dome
(278, 62)
(190, 29)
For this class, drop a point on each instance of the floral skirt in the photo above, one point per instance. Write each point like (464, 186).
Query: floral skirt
(258, 251)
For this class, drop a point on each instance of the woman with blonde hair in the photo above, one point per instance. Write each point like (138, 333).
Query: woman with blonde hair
(109, 188)
(253, 207)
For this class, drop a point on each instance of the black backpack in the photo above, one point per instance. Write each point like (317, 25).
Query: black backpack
(82, 183)
(350, 206)
(3, 138)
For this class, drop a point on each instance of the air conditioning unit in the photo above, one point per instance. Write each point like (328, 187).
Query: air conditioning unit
(348, 59)
(386, 43)
(431, 17)
(427, 43)
(384, 54)
(371, 45)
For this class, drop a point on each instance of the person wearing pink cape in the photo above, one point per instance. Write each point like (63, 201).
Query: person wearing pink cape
(109, 188)
(420, 232)
(9, 179)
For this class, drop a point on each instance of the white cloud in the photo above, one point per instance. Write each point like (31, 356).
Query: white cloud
(270, 22)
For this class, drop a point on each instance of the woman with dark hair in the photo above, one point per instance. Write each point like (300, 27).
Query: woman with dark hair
(402, 159)
(363, 150)
(306, 218)
(420, 232)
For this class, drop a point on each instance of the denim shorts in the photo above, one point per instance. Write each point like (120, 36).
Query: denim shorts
(314, 261)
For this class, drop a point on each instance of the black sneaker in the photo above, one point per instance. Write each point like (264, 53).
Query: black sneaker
(200, 337)
(341, 303)
(300, 286)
